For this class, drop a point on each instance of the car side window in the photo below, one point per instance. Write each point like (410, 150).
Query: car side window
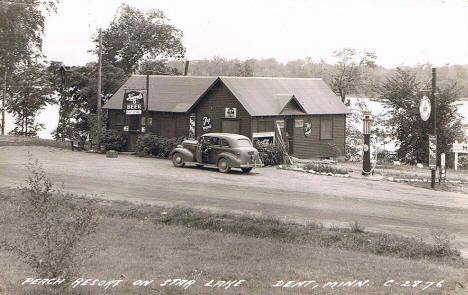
(215, 141)
(224, 143)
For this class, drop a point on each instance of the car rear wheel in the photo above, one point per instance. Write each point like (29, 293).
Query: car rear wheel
(223, 165)
(178, 160)
(246, 170)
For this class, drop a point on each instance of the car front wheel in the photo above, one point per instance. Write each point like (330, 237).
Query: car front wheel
(223, 166)
(178, 160)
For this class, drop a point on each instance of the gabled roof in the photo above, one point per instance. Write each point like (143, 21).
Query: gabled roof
(166, 93)
(260, 96)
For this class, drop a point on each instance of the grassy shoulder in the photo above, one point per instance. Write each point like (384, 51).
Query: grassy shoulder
(152, 243)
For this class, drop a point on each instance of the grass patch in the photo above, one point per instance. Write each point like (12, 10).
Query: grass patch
(312, 234)
(139, 242)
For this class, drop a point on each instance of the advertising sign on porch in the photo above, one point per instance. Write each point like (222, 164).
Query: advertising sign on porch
(432, 152)
(133, 103)
(299, 123)
(307, 128)
(206, 123)
(230, 113)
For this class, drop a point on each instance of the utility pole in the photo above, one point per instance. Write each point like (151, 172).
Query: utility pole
(434, 118)
(3, 101)
(99, 93)
(147, 99)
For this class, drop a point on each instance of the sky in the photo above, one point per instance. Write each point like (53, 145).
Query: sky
(399, 32)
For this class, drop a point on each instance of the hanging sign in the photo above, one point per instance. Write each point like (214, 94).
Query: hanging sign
(299, 123)
(206, 123)
(230, 113)
(307, 128)
(425, 108)
(133, 103)
(432, 152)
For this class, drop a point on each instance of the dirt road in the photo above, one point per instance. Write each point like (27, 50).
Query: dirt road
(379, 205)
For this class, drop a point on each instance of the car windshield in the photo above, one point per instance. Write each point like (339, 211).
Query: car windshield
(243, 142)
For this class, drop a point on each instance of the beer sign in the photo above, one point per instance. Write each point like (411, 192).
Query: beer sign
(133, 103)
(432, 152)
(230, 113)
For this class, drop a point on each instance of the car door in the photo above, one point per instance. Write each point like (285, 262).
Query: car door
(215, 150)
(202, 145)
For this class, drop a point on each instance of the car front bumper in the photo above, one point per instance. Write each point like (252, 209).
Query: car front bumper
(252, 165)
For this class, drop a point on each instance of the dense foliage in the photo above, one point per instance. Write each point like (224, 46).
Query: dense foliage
(113, 140)
(27, 97)
(134, 35)
(401, 95)
(270, 154)
(157, 146)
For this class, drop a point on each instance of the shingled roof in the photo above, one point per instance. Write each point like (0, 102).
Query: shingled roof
(166, 93)
(260, 96)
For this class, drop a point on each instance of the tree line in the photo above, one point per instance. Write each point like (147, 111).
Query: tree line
(145, 42)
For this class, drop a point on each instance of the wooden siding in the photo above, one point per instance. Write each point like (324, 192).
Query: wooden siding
(312, 146)
(214, 104)
(115, 120)
(163, 124)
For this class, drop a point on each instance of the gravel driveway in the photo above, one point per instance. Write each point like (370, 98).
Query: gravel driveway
(378, 205)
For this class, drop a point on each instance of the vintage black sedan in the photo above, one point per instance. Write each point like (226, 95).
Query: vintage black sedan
(222, 150)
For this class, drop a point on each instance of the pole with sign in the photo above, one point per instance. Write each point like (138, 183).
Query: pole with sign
(366, 164)
(434, 117)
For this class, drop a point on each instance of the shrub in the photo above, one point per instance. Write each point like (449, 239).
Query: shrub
(113, 140)
(51, 229)
(463, 161)
(149, 144)
(270, 154)
(324, 168)
(333, 150)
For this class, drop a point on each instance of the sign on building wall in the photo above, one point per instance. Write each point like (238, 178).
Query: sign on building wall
(307, 128)
(192, 126)
(133, 103)
(299, 123)
(460, 147)
(206, 123)
(432, 152)
(230, 113)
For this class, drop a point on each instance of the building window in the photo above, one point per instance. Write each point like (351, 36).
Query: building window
(326, 129)
(230, 126)
(265, 126)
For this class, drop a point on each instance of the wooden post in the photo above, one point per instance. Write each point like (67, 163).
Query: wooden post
(99, 94)
(186, 67)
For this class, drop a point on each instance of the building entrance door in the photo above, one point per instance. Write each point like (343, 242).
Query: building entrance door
(133, 131)
(290, 135)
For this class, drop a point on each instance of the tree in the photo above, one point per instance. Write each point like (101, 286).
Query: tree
(29, 95)
(348, 74)
(78, 96)
(134, 35)
(157, 67)
(21, 28)
(400, 95)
